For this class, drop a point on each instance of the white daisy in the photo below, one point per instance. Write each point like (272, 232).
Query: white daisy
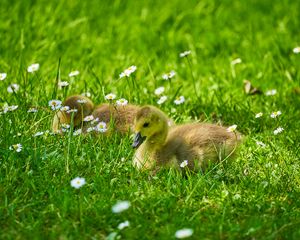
(236, 61)
(185, 53)
(13, 88)
(38, 134)
(94, 121)
(127, 72)
(162, 100)
(296, 50)
(74, 73)
(54, 104)
(275, 114)
(184, 164)
(184, 233)
(33, 67)
(90, 129)
(2, 76)
(232, 128)
(16, 147)
(159, 90)
(123, 225)
(86, 94)
(77, 132)
(74, 110)
(82, 101)
(258, 115)
(101, 127)
(110, 96)
(120, 206)
(169, 75)
(63, 84)
(278, 130)
(179, 100)
(261, 144)
(32, 110)
(10, 108)
(88, 118)
(77, 182)
(271, 92)
(65, 108)
(122, 102)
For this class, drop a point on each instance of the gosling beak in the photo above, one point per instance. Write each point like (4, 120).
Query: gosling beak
(138, 140)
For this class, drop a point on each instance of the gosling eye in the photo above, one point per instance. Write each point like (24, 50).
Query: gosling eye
(146, 124)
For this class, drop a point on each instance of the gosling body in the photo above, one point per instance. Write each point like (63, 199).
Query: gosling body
(164, 146)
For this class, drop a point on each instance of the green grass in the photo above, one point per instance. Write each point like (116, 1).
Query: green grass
(255, 196)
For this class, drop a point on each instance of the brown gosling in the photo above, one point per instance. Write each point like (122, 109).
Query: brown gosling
(79, 107)
(191, 146)
(117, 118)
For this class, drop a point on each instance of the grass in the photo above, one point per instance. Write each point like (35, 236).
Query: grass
(255, 196)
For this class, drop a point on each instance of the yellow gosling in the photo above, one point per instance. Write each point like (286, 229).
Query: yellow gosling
(191, 146)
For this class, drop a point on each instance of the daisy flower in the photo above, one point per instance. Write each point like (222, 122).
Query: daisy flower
(77, 182)
(236, 61)
(95, 120)
(16, 147)
(278, 130)
(179, 100)
(275, 114)
(74, 110)
(74, 73)
(162, 100)
(2, 76)
(33, 67)
(258, 115)
(232, 128)
(110, 96)
(77, 132)
(169, 75)
(296, 50)
(63, 84)
(10, 108)
(13, 88)
(184, 164)
(123, 225)
(261, 144)
(65, 108)
(38, 134)
(122, 102)
(101, 127)
(32, 110)
(120, 206)
(271, 92)
(185, 53)
(54, 104)
(184, 233)
(88, 118)
(127, 72)
(90, 129)
(86, 94)
(81, 101)
(159, 90)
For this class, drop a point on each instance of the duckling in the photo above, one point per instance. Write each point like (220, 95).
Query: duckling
(159, 145)
(120, 118)
(83, 106)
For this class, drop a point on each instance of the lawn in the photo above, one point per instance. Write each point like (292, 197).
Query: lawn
(254, 196)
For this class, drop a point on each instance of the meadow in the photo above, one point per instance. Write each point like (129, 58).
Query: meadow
(254, 196)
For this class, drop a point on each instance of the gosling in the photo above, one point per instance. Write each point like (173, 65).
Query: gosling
(118, 118)
(192, 146)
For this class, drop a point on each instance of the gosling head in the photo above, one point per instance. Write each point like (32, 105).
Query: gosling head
(149, 122)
